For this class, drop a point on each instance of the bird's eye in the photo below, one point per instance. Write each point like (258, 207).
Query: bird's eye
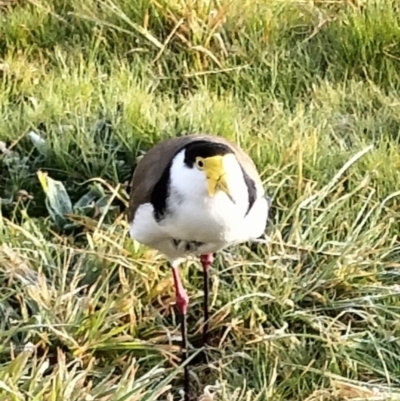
(200, 164)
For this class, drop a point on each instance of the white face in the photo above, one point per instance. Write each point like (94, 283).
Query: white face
(223, 172)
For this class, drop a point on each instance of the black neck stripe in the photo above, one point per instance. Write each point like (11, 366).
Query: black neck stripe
(160, 194)
(251, 189)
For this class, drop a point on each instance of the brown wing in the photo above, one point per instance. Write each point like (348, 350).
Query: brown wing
(153, 164)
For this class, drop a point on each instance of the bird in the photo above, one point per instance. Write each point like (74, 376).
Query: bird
(192, 196)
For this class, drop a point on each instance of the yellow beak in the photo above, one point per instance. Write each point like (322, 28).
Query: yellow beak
(216, 175)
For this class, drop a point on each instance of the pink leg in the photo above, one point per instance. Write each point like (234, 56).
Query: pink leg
(182, 302)
(206, 261)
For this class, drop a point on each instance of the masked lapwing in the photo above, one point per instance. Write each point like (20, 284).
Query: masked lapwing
(192, 196)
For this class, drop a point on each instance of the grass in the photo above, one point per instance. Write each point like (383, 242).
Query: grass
(309, 89)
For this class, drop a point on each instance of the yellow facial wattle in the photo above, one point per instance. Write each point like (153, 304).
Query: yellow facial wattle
(215, 172)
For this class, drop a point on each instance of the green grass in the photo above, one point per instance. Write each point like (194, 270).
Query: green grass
(310, 90)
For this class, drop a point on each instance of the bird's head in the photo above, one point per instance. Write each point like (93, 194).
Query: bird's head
(213, 160)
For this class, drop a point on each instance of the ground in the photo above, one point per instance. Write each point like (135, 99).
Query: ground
(310, 89)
